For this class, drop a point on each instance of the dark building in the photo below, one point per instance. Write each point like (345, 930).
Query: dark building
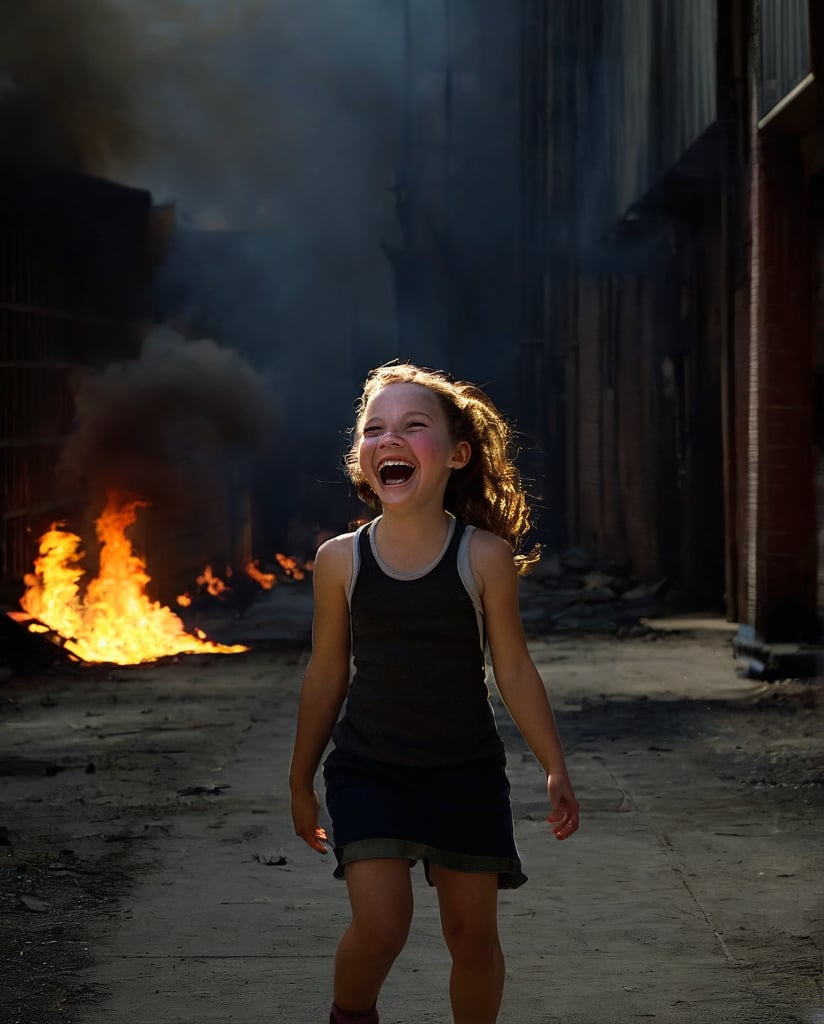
(672, 295)
(77, 255)
(74, 258)
(610, 212)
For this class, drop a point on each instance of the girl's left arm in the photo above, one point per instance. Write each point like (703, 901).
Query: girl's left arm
(518, 680)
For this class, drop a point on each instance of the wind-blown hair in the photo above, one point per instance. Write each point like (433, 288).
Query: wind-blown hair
(488, 491)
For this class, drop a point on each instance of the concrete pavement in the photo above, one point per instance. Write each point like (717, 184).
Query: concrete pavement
(693, 892)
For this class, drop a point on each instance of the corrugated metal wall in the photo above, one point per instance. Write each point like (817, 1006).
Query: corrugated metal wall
(784, 49)
(633, 86)
(632, 234)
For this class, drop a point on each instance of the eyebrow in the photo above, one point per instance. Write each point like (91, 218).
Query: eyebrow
(407, 415)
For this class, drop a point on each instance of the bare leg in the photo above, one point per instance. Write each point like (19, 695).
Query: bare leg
(469, 918)
(380, 894)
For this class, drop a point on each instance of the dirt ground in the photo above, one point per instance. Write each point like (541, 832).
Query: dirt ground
(149, 872)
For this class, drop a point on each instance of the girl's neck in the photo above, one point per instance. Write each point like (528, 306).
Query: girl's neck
(409, 542)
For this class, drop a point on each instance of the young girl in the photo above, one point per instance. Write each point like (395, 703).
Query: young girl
(418, 768)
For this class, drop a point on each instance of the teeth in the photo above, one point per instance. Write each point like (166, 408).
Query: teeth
(385, 471)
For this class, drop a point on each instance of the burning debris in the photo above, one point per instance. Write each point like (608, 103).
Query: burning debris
(266, 579)
(175, 429)
(237, 590)
(294, 568)
(114, 621)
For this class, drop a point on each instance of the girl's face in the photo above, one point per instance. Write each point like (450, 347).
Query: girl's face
(404, 447)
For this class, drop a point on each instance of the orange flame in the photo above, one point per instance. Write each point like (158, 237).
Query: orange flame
(291, 566)
(115, 622)
(266, 579)
(214, 584)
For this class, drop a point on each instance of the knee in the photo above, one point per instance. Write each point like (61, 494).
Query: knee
(471, 942)
(384, 934)
(380, 894)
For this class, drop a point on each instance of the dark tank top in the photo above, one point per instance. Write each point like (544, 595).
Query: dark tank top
(418, 695)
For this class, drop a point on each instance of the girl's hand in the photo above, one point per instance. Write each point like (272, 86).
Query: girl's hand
(564, 805)
(305, 819)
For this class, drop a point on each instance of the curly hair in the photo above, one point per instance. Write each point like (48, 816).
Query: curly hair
(488, 491)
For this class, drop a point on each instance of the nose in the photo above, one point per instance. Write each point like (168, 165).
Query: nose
(389, 438)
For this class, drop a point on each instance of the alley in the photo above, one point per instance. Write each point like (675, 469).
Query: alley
(151, 875)
(216, 220)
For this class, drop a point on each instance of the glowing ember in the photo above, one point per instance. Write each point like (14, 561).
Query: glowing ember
(266, 579)
(291, 566)
(214, 585)
(114, 622)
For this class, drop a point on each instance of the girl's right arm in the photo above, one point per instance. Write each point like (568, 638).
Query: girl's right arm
(324, 686)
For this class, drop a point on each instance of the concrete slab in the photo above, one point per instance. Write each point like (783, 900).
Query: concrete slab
(692, 894)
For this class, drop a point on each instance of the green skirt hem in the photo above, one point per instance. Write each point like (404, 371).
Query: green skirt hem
(510, 875)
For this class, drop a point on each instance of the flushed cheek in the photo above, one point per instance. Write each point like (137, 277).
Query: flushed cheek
(366, 451)
(430, 452)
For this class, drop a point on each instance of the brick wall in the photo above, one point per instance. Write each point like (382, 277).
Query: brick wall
(781, 521)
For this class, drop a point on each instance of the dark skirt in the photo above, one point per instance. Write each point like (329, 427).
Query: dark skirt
(456, 816)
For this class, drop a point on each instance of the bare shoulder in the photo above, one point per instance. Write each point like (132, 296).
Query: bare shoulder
(335, 547)
(491, 557)
(333, 561)
(490, 546)
(330, 622)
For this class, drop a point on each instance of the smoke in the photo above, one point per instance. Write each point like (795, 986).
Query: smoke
(67, 84)
(155, 425)
(269, 115)
(274, 129)
(251, 115)
(268, 119)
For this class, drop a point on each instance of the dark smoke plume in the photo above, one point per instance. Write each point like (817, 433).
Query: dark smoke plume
(68, 70)
(181, 413)
(272, 123)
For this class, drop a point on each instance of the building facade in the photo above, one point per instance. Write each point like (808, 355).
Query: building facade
(672, 294)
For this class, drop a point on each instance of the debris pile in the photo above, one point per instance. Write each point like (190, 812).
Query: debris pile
(570, 591)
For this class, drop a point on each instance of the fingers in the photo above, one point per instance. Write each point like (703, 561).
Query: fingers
(315, 838)
(566, 817)
(305, 820)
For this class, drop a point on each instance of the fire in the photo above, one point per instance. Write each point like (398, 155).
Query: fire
(266, 579)
(214, 585)
(114, 621)
(291, 566)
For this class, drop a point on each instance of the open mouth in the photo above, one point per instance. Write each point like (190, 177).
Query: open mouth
(395, 471)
